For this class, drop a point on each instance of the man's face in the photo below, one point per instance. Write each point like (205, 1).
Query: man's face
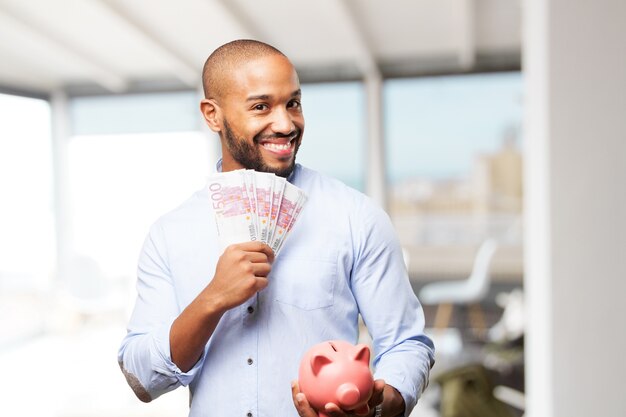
(262, 121)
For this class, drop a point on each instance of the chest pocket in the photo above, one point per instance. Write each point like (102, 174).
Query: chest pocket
(304, 283)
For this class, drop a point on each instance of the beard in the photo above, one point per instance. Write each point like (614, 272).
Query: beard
(249, 155)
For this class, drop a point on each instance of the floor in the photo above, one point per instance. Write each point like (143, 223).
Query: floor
(71, 371)
(460, 346)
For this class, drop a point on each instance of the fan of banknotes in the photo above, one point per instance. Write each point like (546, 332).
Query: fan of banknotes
(257, 206)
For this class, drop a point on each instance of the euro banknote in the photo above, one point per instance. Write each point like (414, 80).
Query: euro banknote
(254, 206)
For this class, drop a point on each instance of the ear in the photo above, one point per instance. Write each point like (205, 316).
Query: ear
(318, 362)
(211, 112)
(362, 354)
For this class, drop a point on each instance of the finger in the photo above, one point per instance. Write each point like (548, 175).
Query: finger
(261, 283)
(257, 257)
(333, 410)
(257, 246)
(300, 402)
(379, 386)
(268, 251)
(377, 393)
(261, 270)
(294, 392)
(294, 388)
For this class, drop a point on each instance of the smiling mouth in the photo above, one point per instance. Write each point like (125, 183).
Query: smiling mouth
(278, 147)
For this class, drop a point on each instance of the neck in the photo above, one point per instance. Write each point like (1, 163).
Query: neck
(228, 163)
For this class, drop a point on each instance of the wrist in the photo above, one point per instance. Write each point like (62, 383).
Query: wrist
(214, 304)
(393, 403)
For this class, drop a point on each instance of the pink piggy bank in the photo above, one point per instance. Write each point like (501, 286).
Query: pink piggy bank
(337, 372)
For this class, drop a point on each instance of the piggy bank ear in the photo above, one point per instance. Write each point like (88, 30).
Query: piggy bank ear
(318, 361)
(362, 354)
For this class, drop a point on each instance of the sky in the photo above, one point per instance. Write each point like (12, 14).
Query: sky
(435, 125)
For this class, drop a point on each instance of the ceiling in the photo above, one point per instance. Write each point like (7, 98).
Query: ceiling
(116, 46)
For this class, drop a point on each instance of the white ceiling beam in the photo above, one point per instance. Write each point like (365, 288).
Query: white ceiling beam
(365, 58)
(25, 79)
(467, 34)
(241, 19)
(98, 71)
(19, 70)
(184, 69)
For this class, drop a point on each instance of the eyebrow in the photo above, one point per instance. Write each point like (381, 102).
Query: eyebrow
(296, 93)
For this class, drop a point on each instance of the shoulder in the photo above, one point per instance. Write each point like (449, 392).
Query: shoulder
(327, 193)
(323, 186)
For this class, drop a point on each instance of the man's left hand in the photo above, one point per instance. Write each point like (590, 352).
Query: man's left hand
(333, 410)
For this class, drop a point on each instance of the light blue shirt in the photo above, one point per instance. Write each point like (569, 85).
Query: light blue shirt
(342, 258)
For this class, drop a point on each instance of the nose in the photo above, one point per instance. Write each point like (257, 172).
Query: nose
(282, 122)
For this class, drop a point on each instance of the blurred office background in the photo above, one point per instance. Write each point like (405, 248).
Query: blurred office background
(492, 132)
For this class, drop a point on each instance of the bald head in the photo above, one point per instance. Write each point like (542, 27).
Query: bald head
(225, 59)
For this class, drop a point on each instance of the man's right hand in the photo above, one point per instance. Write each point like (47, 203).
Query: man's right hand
(240, 273)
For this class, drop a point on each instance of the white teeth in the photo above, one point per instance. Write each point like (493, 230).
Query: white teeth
(277, 146)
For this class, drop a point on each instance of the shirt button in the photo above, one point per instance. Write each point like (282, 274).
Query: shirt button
(250, 361)
(249, 414)
(250, 309)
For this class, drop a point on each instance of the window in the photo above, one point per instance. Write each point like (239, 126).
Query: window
(335, 136)
(27, 244)
(132, 158)
(120, 184)
(454, 166)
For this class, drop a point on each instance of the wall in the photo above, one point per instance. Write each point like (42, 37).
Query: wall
(575, 74)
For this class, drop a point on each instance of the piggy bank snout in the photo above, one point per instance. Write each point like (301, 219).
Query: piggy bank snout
(348, 394)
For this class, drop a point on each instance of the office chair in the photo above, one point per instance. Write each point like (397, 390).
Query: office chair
(470, 291)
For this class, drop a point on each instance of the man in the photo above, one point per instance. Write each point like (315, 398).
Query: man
(234, 325)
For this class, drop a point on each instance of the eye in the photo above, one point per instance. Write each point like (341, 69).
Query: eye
(260, 107)
(294, 104)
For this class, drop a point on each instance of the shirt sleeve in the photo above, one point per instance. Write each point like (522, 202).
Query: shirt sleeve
(392, 313)
(144, 355)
